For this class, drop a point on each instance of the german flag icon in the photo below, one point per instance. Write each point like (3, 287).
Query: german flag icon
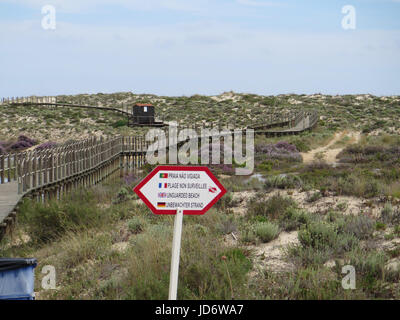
(161, 204)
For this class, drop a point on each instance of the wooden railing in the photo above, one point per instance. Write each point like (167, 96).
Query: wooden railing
(52, 102)
(314, 117)
(38, 169)
(54, 172)
(32, 99)
(8, 169)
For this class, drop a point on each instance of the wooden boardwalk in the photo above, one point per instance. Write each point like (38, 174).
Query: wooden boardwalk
(300, 127)
(9, 198)
(51, 173)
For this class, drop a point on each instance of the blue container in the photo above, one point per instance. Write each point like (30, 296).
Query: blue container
(17, 279)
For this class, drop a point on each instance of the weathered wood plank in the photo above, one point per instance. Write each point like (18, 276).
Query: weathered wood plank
(9, 198)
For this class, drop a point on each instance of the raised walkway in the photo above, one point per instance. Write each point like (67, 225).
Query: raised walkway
(9, 198)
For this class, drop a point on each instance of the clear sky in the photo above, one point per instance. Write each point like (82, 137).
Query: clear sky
(185, 47)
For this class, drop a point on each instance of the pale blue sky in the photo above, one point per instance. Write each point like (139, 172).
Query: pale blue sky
(185, 47)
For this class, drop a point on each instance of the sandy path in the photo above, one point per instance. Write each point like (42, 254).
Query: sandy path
(271, 255)
(327, 154)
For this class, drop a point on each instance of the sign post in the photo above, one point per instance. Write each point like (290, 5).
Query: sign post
(176, 249)
(179, 190)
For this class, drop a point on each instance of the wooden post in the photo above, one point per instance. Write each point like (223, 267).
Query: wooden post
(9, 168)
(2, 169)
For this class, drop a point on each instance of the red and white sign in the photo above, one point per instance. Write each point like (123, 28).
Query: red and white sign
(170, 188)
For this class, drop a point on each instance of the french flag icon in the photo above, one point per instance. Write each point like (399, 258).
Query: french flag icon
(162, 185)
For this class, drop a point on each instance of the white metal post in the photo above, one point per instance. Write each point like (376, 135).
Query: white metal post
(176, 249)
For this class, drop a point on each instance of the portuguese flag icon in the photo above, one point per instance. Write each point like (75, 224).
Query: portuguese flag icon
(163, 175)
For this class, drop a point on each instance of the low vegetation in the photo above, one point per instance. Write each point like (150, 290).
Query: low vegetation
(107, 249)
(284, 233)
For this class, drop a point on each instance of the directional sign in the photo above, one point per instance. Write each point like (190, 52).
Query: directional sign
(179, 190)
(170, 188)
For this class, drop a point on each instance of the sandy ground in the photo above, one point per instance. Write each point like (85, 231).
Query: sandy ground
(271, 256)
(328, 154)
(345, 204)
(226, 96)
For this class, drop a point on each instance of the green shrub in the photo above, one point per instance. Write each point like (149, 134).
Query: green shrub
(342, 206)
(120, 123)
(345, 242)
(267, 231)
(272, 208)
(360, 226)
(319, 242)
(294, 218)
(135, 225)
(313, 284)
(248, 235)
(321, 235)
(389, 215)
(314, 197)
(226, 202)
(265, 166)
(380, 225)
(396, 230)
(240, 257)
(301, 145)
(318, 235)
(307, 256)
(49, 221)
(124, 194)
(227, 224)
(370, 265)
(82, 247)
(372, 189)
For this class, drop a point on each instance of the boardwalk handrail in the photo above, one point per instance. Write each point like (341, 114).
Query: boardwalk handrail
(39, 169)
(8, 169)
(52, 101)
